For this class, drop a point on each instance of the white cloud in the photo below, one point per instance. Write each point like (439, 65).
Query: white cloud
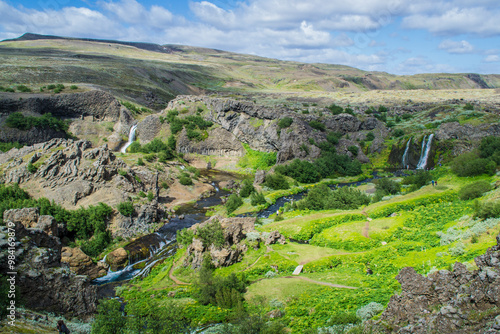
(456, 47)
(477, 20)
(492, 59)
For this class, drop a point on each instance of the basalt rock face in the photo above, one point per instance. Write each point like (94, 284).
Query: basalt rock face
(44, 282)
(226, 255)
(258, 127)
(220, 142)
(98, 104)
(459, 301)
(454, 130)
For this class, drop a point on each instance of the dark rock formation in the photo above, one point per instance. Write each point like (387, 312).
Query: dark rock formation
(44, 282)
(459, 301)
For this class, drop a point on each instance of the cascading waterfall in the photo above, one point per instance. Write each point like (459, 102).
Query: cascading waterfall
(424, 155)
(131, 138)
(405, 155)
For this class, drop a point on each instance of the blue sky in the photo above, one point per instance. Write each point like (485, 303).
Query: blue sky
(395, 36)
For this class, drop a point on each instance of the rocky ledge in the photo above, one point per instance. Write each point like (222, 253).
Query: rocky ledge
(457, 301)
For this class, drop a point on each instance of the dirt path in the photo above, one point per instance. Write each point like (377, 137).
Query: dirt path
(173, 278)
(366, 229)
(322, 283)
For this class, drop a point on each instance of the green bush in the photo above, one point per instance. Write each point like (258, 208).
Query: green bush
(468, 106)
(301, 170)
(473, 190)
(335, 109)
(126, 208)
(4, 147)
(257, 198)
(23, 89)
(140, 162)
(276, 182)
(387, 186)
(398, 133)
(109, 318)
(233, 202)
(420, 178)
(322, 197)
(18, 121)
(247, 188)
(490, 149)
(469, 164)
(185, 236)
(185, 180)
(285, 122)
(370, 136)
(487, 210)
(354, 150)
(31, 168)
(73, 87)
(317, 125)
(211, 234)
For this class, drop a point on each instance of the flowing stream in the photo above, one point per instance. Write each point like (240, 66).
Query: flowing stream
(131, 138)
(161, 244)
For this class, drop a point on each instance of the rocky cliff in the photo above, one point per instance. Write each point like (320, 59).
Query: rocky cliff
(457, 301)
(73, 173)
(44, 282)
(257, 126)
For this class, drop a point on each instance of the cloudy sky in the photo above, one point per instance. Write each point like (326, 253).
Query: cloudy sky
(396, 36)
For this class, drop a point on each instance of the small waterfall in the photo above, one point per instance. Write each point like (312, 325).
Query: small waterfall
(405, 155)
(424, 155)
(131, 138)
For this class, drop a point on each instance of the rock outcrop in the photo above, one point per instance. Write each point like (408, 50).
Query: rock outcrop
(73, 173)
(81, 264)
(459, 301)
(257, 126)
(44, 282)
(232, 250)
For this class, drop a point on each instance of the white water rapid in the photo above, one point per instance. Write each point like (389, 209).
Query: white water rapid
(131, 138)
(426, 149)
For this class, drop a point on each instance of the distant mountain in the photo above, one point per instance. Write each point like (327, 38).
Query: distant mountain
(152, 74)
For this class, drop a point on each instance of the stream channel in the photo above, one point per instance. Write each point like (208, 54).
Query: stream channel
(154, 247)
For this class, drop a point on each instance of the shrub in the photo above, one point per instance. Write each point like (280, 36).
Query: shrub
(301, 170)
(317, 125)
(469, 164)
(322, 197)
(23, 89)
(335, 109)
(285, 122)
(490, 148)
(368, 311)
(487, 210)
(419, 179)
(18, 121)
(109, 318)
(211, 234)
(140, 162)
(185, 236)
(370, 136)
(4, 147)
(353, 149)
(388, 186)
(474, 190)
(31, 168)
(276, 181)
(151, 196)
(468, 106)
(247, 188)
(73, 87)
(185, 180)
(126, 208)
(406, 116)
(398, 133)
(257, 199)
(233, 202)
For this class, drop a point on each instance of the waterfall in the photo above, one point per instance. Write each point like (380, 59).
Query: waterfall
(131, 138)
(405, 155)
(424, 155)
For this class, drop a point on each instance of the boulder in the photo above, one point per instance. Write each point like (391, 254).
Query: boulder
(80, 263)
(275, 237)
(28, 217)
(49, 225)
(117, 259)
